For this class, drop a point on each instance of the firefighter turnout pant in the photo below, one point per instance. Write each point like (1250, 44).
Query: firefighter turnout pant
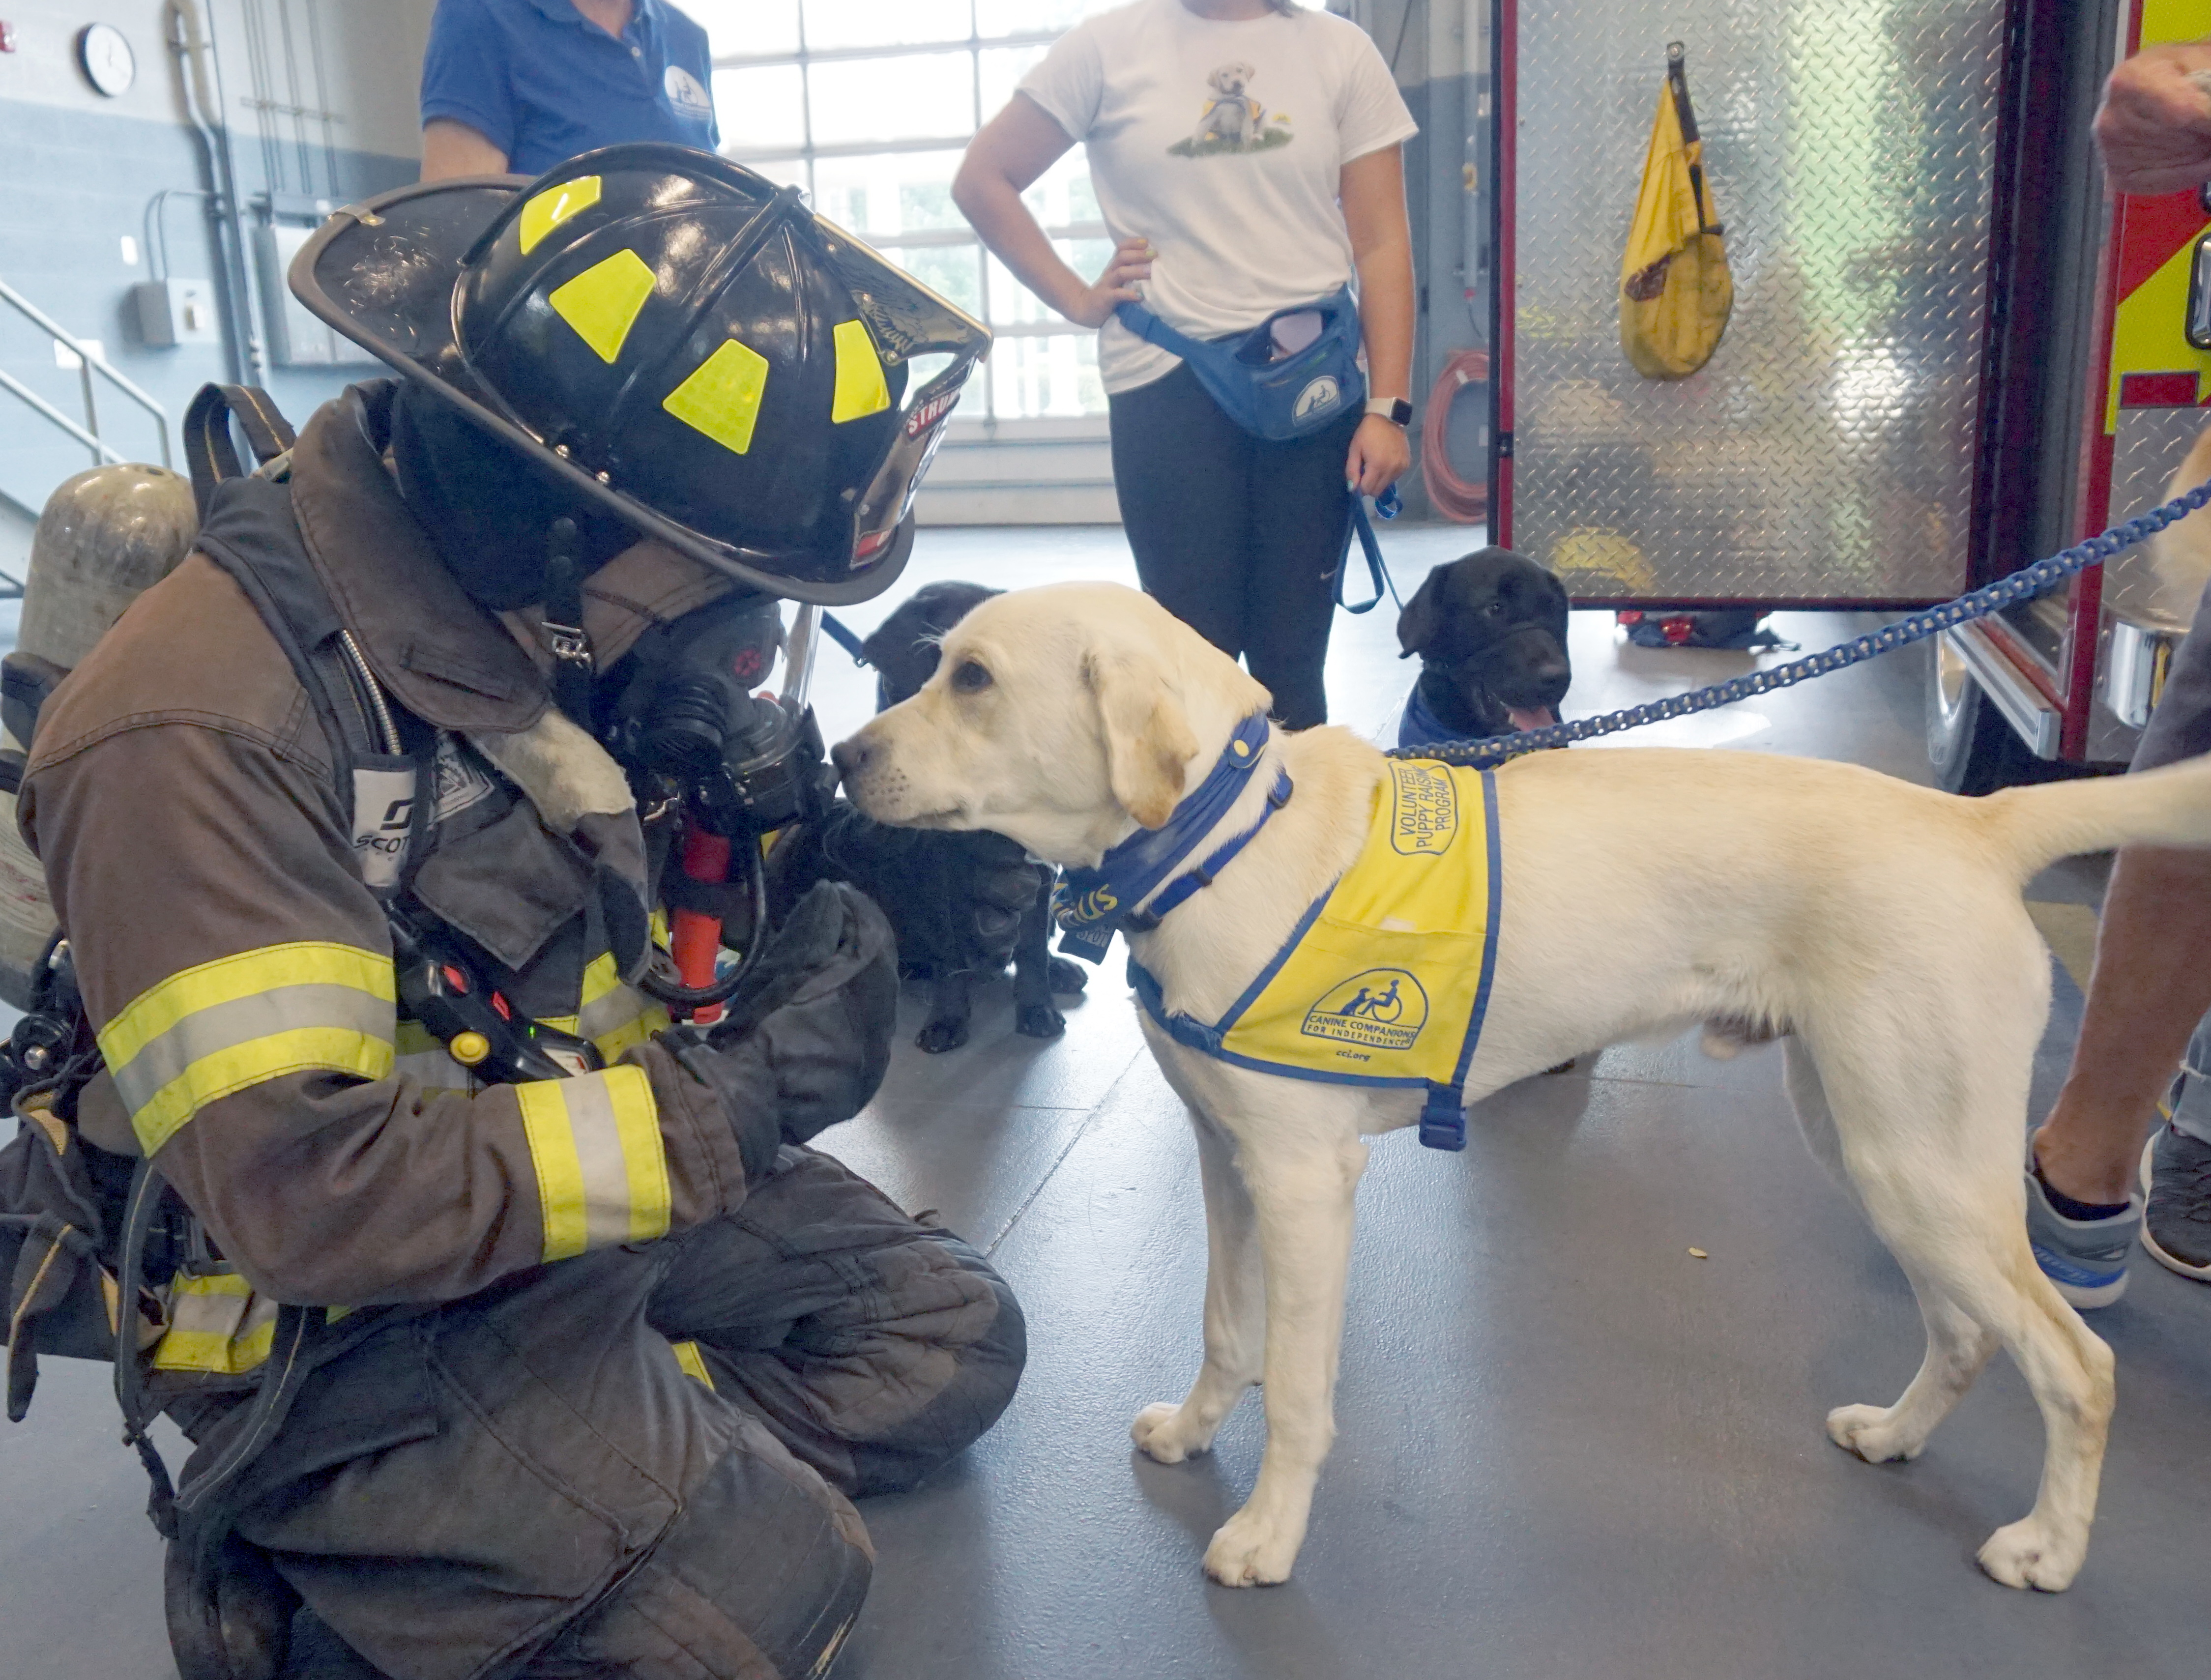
(634, 1465)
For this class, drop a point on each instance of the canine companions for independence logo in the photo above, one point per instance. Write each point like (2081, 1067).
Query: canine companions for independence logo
(1382, 1009)
(1424, 815)
(1323, 393)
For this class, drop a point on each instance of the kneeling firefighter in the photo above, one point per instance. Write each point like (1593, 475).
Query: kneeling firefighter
(477, 1252)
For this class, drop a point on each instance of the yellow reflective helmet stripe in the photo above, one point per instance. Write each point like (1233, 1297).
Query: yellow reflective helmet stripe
(861, 388)
(603, 301)
(693, 1363)
(602, 1168)
(238, 1021)
(553, 206)
(721, 396)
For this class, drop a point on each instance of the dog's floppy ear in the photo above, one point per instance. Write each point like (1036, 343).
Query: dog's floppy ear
(1148, 743)
(1416, 625)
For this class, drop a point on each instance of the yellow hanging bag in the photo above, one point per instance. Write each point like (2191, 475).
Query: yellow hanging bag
(1676, 293)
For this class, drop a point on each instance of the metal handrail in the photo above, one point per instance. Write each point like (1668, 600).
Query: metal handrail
(89, 362)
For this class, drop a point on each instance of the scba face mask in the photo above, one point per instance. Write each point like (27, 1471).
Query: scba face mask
(682, 714)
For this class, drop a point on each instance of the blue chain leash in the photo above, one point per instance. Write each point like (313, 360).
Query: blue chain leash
(2020, 585)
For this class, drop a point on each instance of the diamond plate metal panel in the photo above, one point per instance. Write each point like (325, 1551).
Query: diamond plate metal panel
(2148, 450)
(1827, 450)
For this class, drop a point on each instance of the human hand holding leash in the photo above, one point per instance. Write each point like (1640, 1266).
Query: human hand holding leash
(2154, 126)
(1380, 452)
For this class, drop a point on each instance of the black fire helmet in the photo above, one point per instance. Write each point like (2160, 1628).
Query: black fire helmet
(680, 339)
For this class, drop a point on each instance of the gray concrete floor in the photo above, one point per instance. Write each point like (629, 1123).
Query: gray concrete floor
(1567, 1447)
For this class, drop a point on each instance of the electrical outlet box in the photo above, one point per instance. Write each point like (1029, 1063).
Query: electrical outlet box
(175, 312)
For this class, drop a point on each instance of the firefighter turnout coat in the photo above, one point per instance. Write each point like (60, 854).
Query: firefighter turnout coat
(239, 974)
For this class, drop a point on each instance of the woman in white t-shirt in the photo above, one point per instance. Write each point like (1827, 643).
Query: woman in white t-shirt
(1246, 157)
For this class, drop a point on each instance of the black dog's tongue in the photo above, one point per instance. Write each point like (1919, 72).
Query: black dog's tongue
(1525, 718)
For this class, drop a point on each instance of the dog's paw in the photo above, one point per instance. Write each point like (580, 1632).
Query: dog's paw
(939, 1036)
(1038, 1020)
(1064, 975)
(2023, 1554)
(1165, 1432)
(1871, 1433)
(1248, 1551)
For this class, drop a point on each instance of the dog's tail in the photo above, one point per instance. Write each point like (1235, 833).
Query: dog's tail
(2037, 825)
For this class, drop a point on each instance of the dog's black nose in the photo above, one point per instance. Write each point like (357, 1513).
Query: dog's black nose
(850, 758)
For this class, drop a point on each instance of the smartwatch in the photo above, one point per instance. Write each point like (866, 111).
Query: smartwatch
(1395, 409)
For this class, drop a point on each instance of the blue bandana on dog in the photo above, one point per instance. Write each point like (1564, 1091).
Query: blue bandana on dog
(1090, 903)
(1419, 726)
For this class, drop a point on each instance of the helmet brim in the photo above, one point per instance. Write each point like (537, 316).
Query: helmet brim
(382, 272)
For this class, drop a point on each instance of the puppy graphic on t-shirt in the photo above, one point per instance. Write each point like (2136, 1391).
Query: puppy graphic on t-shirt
(1232, 121)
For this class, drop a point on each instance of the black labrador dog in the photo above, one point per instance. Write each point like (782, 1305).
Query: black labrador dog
(1490, 629)
(953, 952)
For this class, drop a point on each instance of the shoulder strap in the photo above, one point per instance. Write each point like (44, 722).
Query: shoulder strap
(1150, 327)
(209, 448)
(249, 530)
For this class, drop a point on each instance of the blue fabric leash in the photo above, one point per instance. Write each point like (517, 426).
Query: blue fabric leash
(1388, 505)
(1090, 903)
(842, 634)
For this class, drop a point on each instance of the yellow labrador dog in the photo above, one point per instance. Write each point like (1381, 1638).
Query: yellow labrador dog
(1879, 925)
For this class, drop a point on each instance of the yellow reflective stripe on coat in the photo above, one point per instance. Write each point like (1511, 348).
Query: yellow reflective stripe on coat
(602, 1168)
(217, 1325)
(614, 1017)
(1386, 979)
(694, 1362)
(238, 1021)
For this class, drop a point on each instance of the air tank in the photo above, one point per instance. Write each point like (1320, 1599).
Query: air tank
(105, 536)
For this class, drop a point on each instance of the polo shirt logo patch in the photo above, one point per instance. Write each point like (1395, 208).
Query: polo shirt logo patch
(1382, 1009)
(685, 94)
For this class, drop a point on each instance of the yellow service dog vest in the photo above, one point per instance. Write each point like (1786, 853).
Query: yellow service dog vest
(1386, 978)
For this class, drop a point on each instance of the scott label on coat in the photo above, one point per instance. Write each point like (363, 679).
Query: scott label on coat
(383, 816)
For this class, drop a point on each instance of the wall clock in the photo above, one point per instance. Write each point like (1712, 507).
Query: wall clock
(106, 58)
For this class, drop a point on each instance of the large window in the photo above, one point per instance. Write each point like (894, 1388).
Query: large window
(866, 105)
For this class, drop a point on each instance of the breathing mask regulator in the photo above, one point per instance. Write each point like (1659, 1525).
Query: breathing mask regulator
(682, 713)
(677, 348)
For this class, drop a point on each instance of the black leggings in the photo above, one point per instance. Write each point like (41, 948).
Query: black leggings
(1236, 536)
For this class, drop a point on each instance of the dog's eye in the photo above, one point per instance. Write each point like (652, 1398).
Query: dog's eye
(971, 678)
(1495, 609)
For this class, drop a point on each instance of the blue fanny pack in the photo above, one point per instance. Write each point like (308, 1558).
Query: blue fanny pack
(1277, 399)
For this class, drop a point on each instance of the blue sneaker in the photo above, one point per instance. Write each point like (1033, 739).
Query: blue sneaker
(2085, 1259)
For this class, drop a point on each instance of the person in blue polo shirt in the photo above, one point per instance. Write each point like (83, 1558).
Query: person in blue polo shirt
(521, 85)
